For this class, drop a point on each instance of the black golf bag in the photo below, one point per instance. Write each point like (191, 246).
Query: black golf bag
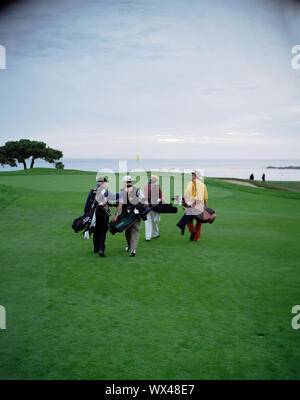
(83, 222)
(165, 209)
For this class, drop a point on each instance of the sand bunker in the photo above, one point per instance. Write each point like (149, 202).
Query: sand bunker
(242, 183)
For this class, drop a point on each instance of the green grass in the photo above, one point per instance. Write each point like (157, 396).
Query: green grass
(286, 185)
(45, 171)
(290, 186)
(179, 310)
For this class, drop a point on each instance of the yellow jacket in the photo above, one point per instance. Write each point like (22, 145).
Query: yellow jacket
(195, 191)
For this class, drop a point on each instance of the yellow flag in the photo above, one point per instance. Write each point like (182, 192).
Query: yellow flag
(137, 158)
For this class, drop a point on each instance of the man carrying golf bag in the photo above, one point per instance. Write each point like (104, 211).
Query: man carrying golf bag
(154, 196)
(98, 198)
(195, 197)
(130, 202)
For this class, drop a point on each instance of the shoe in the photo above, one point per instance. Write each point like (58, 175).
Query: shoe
(155, 237)
(132, 254)
(101, 253)
(127, 249)
(192, 236)
(147, 240)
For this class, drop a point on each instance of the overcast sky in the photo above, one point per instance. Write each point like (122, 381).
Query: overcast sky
(158, 78)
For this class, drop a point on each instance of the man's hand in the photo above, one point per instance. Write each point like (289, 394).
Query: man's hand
(114, 218)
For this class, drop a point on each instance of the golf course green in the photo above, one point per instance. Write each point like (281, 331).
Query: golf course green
(219, 308)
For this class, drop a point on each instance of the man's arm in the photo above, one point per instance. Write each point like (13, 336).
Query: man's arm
(141, 195)
(111, 196)
(146, 192)
(205, 196)
(188, 193)
(161, 195)
(119, 206)
(117, 212)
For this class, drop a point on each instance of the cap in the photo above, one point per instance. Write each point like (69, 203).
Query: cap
(127, 178)
(102, 179)
(197, 173)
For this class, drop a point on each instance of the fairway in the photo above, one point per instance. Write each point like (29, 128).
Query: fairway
(219, 308)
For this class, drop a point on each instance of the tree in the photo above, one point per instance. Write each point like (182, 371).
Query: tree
(59, 165)
(40, 150)
(19, 151)
(5, 159)
(51, 155)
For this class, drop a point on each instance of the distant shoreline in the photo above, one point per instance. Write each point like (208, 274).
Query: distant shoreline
(211, 168)
(289, 167)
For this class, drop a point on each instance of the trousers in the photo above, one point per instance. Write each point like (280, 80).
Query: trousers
(151, 224)
(188, 220)
(196, 229)
(132, 235)
(100, 230)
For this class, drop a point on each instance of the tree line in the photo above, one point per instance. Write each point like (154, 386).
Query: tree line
(19, 151)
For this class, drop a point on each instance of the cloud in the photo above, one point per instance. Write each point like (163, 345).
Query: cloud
(243, 134)
(122, 74)
(171, 140)
(294, 109)
(232, 133)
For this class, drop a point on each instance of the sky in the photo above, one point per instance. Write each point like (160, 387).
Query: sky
(159, 78)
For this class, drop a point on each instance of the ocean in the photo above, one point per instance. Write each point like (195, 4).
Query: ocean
(222, 168)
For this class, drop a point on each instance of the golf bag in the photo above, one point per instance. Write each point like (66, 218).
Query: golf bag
(165, 209)
(142, 209)
(123, 222)
(87, 222)
(207, 216)
(90, 200)
(83, 222)
(126, 220)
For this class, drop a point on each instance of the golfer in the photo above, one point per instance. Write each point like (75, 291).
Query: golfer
(129, 201)
(101, 195)
(195, 197)
(154, 196)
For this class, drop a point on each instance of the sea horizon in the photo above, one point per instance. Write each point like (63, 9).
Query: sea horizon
(218, 168)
